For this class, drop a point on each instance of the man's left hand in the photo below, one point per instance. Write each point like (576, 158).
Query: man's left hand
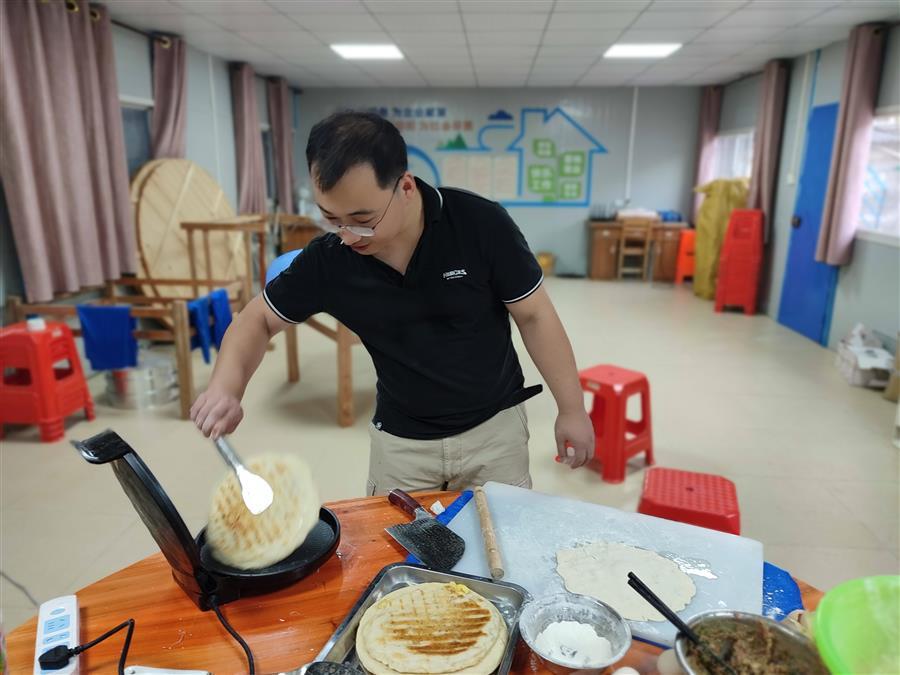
(574, 430)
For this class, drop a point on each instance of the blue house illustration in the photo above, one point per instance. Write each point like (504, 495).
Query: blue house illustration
(556, 158)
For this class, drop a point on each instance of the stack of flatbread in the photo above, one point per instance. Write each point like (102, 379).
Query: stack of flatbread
(433, 629)
(240, 539)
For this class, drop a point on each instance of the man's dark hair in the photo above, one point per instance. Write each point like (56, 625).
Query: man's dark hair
(346, 139)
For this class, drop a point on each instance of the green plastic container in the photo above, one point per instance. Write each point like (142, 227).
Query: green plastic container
(857, 627)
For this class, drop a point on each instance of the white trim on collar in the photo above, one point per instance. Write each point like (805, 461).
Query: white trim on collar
(438, 190)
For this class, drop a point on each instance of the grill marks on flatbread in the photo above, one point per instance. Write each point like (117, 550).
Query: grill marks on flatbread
(240, 539)
(432, 629)
(442, 635)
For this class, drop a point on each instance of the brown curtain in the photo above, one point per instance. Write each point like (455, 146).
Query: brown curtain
(767, 139)
(62, 159)
(248, 141)
(710, 111)
(859, 91)
(279, 95)
(169, 97)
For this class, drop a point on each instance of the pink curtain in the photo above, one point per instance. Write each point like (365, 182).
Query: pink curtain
(710, 111)
(169, 97)
(62, 159)
(124, 235)
(248, 141)
(859, 91)
(279, 95)
(767, 139)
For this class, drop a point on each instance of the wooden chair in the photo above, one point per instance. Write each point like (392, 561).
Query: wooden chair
(171, 311)
(344, 339)
(296, 233)
(634, 244)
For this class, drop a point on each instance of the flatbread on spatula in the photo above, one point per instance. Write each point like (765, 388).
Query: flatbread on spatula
(431, 629)
(240, 539)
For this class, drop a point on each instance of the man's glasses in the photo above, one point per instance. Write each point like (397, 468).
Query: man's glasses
(360, 230)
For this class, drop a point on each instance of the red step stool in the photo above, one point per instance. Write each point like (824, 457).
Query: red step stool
(617, 438)
(740, 262)
(700, 499)
(36, 389)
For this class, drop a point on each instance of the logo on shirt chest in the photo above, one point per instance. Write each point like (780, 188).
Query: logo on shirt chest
(454, 274)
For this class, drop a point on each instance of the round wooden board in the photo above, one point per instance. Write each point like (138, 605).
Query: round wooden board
(166, 193)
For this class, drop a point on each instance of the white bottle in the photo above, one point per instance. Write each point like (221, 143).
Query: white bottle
(35, 322)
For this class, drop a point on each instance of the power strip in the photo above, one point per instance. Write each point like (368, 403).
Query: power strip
(57, 624)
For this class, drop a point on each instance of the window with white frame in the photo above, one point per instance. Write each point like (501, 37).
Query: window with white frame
(136, 114)
(880, 208)
(733, 153)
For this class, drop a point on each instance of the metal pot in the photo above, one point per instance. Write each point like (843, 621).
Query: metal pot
(793, 642)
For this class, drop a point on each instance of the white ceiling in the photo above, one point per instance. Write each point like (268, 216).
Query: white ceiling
(506, 43)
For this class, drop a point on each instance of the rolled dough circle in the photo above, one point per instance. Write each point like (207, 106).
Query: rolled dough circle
(600, 570)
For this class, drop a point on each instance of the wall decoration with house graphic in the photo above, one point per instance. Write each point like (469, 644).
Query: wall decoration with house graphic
(539, 157)
(547, 162)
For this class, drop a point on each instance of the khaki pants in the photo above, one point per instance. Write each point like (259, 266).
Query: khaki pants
(495, 450)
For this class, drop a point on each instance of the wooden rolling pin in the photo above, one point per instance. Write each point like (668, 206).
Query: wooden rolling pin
(495, 562)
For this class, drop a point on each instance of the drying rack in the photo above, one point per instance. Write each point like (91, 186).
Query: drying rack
(170, 310)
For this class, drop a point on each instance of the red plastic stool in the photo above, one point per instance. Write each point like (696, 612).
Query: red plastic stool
(617, 438)
(697, 498)
(684, 267)
(37, 388)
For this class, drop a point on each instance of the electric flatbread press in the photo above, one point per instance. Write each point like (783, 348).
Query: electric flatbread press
(206, 581)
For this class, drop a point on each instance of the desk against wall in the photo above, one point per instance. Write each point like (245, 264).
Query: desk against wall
(603, 249)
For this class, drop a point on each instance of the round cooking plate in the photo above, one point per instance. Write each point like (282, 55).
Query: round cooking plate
(318, 546)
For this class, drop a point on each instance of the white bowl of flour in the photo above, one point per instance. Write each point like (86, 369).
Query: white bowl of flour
(574, 633)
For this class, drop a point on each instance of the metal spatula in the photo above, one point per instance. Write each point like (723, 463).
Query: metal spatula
(431, 541)
(255, 491)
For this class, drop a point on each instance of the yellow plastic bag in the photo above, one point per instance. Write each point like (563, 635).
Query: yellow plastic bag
(721, 196)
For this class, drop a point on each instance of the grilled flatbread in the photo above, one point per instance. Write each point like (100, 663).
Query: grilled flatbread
(240, 539)
(433, 629)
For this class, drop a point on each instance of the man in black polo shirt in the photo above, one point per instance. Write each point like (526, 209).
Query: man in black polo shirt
(427, 278)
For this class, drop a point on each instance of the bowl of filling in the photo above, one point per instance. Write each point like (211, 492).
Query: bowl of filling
(573, 633)
(749, 644)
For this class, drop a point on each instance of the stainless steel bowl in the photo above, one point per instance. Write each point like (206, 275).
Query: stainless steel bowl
(793, 642)
(538, 614)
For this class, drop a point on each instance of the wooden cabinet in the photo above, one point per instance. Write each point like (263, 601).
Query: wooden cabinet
(665, 252)
(604, 250)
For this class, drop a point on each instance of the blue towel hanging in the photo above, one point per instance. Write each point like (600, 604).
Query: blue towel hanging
(198, 310)
(108, 333)
(221, 312)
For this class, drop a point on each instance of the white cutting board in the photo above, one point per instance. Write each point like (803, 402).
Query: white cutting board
(531, 527)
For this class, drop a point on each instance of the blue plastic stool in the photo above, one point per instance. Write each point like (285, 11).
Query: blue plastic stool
(280, 264)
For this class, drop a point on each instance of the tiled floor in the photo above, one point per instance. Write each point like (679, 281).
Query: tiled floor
(817, 475)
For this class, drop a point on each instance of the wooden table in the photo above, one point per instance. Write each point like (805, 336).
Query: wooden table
(249, 225)
(284, 629)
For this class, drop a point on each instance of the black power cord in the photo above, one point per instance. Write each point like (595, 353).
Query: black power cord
(250, 664)
(58, 657)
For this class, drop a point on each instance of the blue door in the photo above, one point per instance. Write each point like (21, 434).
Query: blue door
(807, 296)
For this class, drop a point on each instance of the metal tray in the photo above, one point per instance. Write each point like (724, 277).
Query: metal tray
(508, 598)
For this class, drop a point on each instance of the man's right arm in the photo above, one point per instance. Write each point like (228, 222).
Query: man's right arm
(217, 411)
